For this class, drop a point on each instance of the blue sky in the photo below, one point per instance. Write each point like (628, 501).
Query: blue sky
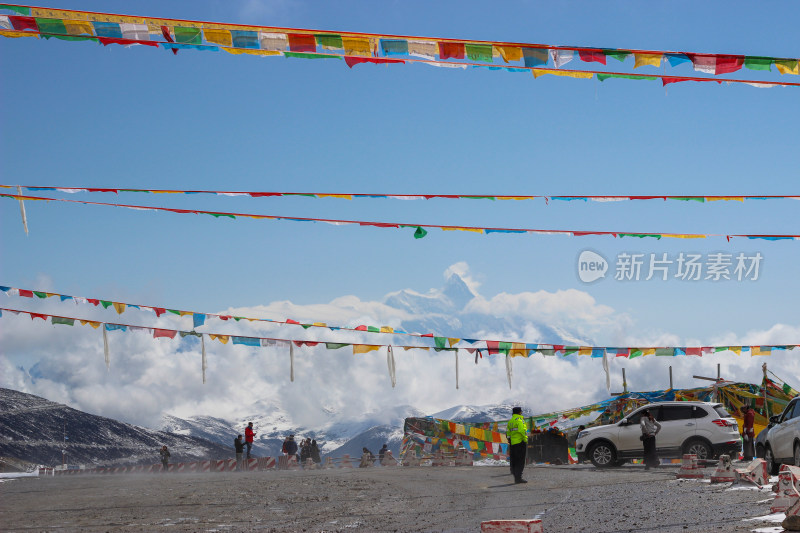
(78, 114)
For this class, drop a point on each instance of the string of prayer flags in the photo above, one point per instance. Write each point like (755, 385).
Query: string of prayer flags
(177, 34)
(420, 229)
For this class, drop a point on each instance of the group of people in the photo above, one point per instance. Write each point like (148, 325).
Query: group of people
(368, 458)
(308, 449)
(239, 445)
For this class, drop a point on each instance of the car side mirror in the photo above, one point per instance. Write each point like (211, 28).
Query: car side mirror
(774, 419)
(623, 422)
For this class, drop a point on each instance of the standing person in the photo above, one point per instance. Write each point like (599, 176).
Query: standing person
(650, 428)
(748, 433)
(315, 452)
(382, 453)
(291, 447)
(249, 435)
(305, 451)
(367, 459)
(164, 452)
(239, 447)
(517, 434)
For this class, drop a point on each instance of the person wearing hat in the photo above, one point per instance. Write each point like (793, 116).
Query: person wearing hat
(517, 434)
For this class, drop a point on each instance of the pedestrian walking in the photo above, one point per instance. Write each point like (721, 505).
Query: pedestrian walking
(382, 453)
(517, 434)
(238, 445)
(164, 452)
(249, 435)
(315, 452)
(650, 428)
(748, 433)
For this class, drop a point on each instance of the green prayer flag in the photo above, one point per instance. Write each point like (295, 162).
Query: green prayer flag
(758, 63)
(440, 341)
(688, 198)
(40, 294)
(22, 10)
(420, 233)
(504, 347)
(330, 41)
(619, 55)
(635, 353)
(373, 329)
(569, 350)
(786, 388)
(468, 197)
(479, 52)
(305, 326)
(604, 77)
(335, 345)
(217, 215)
(720, 349)
(641, 235)
(668, 352)
(174, 312)
(311, 56)
(547, 352)
(238, 318)
(188, 35)
(189, 333)
(105, 304)
(51, 26)
(61, 320)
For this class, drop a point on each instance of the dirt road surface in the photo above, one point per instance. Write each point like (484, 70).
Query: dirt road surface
(452, 499)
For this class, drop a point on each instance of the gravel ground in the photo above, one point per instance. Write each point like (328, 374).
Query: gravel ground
(566, 498)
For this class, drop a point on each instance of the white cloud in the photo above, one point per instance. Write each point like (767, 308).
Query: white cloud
(149, 377)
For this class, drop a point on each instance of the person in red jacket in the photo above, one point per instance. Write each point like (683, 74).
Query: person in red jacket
(748, 433)
(249, 435)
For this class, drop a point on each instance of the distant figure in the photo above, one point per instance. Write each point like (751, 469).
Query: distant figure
(367, 459)
(238, 444)
(382, 453)
(291, 447)
(164, 452)
(748, 433)
(285, 446)
(650, 428)
(305, 451)
(517, 434)
(315, 452)
(249, 435)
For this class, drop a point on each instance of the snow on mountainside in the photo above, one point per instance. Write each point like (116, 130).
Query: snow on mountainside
(33, 429)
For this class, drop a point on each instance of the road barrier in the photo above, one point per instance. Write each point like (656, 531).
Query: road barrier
(533, 525)
(787, 488)
(724, 472)
(689, 468)
(388, 459)
(755, 473)
(266, 463)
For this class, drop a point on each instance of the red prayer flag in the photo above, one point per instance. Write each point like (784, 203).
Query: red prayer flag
(27, 294)
(353, 60)
(37, 315)
(168, 37)
(169, 333)
(288, 321)
(727, 64)
(493, 347)
(590, 56)
(452, 50)
(361, 328)
(23, 23)
(159, 310)
(694, 351)
(93, 301)
(124, 42)
(301, 42)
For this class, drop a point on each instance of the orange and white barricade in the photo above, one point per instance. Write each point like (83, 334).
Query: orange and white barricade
(205, 466)
(411, 459)
(533, 525)
(689, 468)
(309, 464)
(388, 459)
(724, 472)
(788, 489)
(250, 464)
(283, 462)
(292, 463)
(792, 520)
(329, 463)
(266, 463)
(463, 458)
(755, 473)
(180, 467)
(345, 462)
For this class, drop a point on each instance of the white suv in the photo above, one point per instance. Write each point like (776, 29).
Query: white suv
(702, 428)
(783, 439)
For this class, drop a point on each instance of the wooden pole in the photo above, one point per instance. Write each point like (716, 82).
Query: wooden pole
(766, 405)
(624, 383)
(670, 378)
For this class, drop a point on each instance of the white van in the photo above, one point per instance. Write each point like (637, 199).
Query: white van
(701, 428)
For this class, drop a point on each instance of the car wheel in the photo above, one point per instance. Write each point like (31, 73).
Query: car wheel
(760, 451)
(602, 455)
(772, 467)
(698, 448)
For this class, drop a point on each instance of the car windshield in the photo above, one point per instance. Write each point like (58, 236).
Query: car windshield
(721, 411)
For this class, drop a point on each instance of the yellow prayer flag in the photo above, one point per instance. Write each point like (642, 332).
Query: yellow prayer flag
(49, 294)
(642, 60)
(387, 329)
(221, 338)
(515, 197)
(342, 196)
(79, 27)
(460, 429)
(682, 236)
(454, 228)
(788, 69)
(758, 350)
(718, 198)
(518, 349)
(221, 37)
(239, 51)
(320, 324)
(15, 34)
(95, 325)
(356, 46)
(407, 348)
(542, 71)
(648, 351)
(736, 349)
(584, 350)
(120, 307)
(509, 53)
(364, 348)
(452, 341)
(185, 313)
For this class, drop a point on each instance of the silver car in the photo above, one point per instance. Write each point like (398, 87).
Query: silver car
(783, 439)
